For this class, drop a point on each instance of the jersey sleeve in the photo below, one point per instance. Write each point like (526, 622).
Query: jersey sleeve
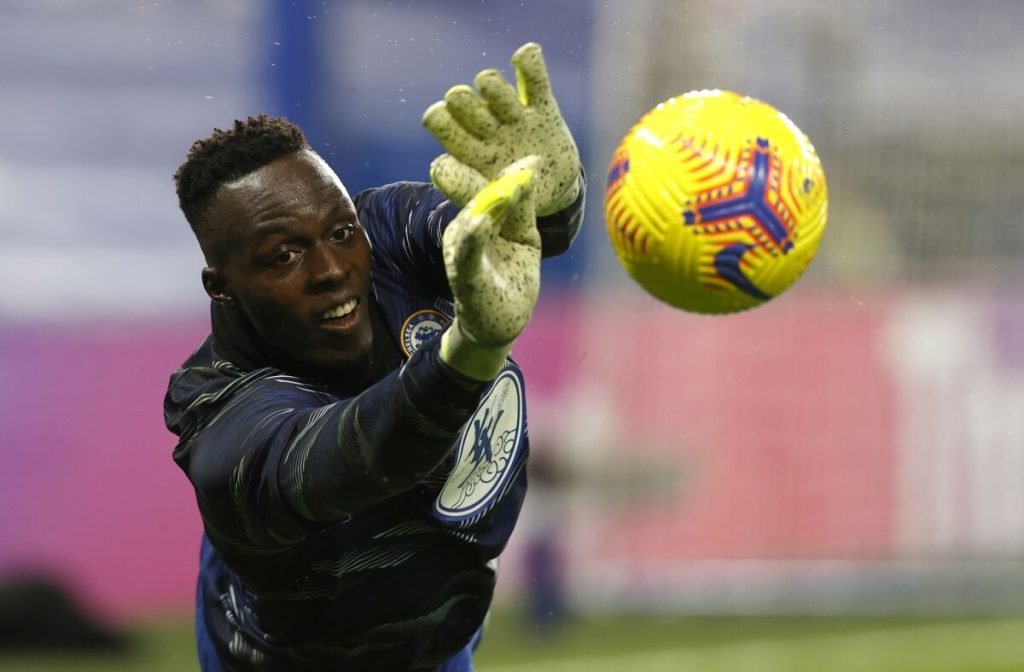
(558, 231)
(281, 460)
(406, 220)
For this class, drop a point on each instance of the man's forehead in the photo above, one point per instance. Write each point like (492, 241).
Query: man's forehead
(305, 168)
(295, 185)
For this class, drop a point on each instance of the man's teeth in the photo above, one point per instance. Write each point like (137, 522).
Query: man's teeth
(341, 311)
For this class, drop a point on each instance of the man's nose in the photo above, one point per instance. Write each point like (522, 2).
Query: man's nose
(328, 266)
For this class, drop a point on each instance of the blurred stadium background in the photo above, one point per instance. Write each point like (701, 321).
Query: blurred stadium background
(834, 481)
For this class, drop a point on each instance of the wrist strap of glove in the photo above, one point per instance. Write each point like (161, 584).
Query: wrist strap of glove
(475, 361)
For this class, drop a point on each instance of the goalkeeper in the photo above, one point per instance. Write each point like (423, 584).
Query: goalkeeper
(353, 427)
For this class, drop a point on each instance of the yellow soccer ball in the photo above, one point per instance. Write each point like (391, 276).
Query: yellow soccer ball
(715, 202)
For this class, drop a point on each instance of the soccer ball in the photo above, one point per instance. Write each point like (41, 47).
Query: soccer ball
(715, 202)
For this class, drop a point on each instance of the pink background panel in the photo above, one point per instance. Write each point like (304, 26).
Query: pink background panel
(777, 423)
(89, 491)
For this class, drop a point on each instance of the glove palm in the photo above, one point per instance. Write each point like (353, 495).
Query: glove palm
(492, 258)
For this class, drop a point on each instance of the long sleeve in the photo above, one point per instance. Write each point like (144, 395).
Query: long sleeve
(281, 459)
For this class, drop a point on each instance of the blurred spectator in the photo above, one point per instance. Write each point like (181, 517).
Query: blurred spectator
(38, 613)
(544, 555)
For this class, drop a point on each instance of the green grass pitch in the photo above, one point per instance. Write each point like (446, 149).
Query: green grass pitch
(658, 644)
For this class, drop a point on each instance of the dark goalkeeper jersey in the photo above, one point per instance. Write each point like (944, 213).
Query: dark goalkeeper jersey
(331, 555)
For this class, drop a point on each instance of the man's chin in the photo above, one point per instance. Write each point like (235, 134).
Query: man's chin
(334, 361)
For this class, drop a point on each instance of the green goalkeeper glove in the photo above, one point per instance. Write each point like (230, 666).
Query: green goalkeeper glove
(492, 258)
(484, 134)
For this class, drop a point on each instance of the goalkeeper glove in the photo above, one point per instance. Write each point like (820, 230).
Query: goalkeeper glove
(492, 258)
(484, 134)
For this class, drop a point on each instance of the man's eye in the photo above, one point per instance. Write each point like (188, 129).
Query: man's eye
(342, 233)
(285, 256)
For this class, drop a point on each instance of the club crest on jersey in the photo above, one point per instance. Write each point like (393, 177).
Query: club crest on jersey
(420, 327)
(487, 452)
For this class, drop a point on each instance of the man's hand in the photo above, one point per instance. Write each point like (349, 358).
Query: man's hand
(487, 132)
(492, 258)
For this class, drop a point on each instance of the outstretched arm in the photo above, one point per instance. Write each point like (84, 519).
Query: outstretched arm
(280, 459)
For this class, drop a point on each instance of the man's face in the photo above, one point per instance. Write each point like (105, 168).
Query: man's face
(295, 260)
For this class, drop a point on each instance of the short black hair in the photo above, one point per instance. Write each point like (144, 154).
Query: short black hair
(228, 155)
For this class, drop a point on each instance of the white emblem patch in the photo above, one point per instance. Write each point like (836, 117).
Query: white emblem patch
(420, 327)
(488, 448)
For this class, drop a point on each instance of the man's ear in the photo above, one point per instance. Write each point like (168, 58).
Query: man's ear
(216, 286)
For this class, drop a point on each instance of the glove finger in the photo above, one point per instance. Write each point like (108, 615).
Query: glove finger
(496, 198)
(519, 224)
(470, 111)
(532, 162)
(459, 182)
(501, 98)
(532, 75)
(463, 243)
(456, 140)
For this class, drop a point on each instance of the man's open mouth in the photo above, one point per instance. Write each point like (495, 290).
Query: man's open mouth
(340, 316)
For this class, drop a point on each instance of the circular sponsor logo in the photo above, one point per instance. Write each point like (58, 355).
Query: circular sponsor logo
(420, 327)
(487, 451)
